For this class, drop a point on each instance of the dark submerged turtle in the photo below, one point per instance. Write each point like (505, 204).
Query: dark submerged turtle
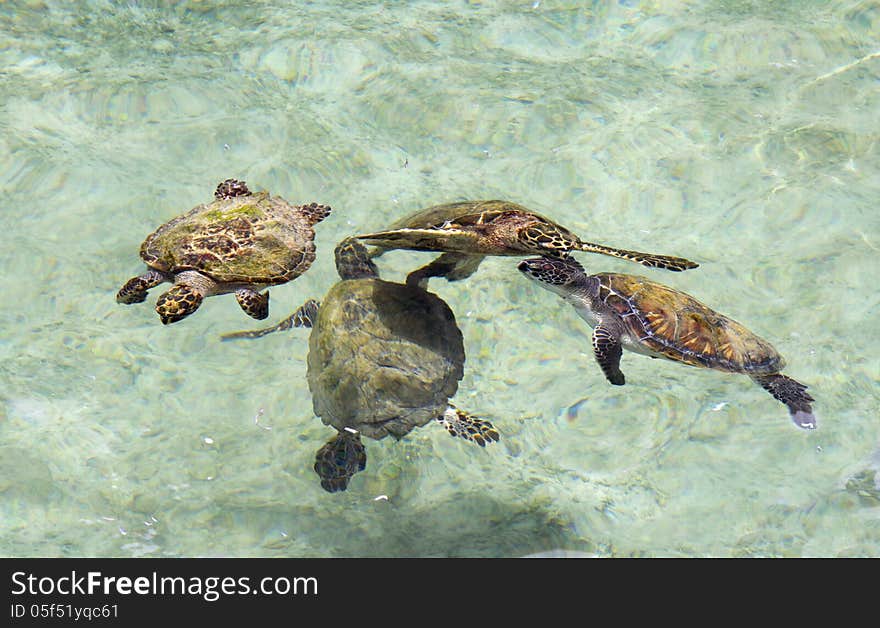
(627, 311)
(468, 231)
(241, 242)
(384, 358)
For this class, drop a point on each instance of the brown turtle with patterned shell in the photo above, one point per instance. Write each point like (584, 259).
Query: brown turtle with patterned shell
(631, 312)
(384, 358)
(241, 242)
(466, 232)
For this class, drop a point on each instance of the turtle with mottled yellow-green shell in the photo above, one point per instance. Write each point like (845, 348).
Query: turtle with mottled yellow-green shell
(241, 242)
(631, 312)
(466, 232)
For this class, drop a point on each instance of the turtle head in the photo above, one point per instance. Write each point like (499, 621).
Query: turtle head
(353, 260)
(562, 276)
(231, 188)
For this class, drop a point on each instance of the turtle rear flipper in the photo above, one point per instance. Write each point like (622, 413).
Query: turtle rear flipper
(303, 317)
(255, 304)
(459, 423)
(315, 212)
(793, 394)
(651, 260)
(339, 459)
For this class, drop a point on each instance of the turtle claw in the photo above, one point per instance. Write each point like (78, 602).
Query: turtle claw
(459, 423)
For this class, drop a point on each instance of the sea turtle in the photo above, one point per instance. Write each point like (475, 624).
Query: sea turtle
(627, 311)
(241, 242)
(468, 231)
(384, 358)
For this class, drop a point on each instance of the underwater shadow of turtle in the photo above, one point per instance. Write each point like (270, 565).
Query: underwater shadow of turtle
(478, 523)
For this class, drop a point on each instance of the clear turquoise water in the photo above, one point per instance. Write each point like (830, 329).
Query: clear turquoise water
(742, 135)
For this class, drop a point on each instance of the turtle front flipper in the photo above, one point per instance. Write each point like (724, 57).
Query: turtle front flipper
(445, 238)
(793, 394)
(459, 423)
(178, 303)
(608, 350)
(339, 459)
(255, 304)
(303, 317)
(666, 262)
(451, 266)
(306, 314)
(135, 289)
